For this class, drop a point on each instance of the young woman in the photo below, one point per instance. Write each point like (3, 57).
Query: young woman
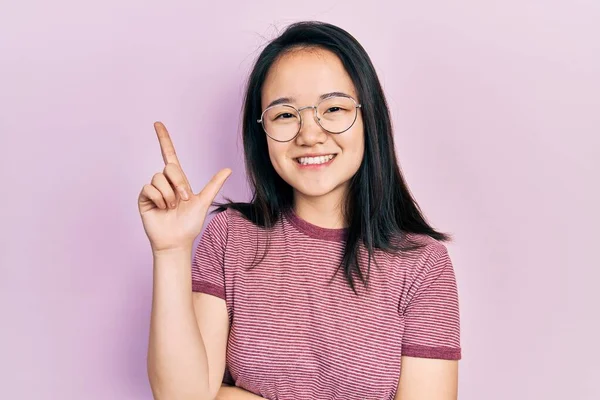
(329, 284)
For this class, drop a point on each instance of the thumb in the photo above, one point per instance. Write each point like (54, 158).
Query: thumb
(212, 188)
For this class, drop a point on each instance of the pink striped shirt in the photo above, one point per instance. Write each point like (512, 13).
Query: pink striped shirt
(296, 333)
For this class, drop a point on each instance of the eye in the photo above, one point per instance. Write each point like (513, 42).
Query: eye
(285, 116)
(333, 109)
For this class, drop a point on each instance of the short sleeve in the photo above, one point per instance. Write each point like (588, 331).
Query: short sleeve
(208, 262)
(432, 318)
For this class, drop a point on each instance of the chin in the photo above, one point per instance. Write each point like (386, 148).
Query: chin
(315, 190)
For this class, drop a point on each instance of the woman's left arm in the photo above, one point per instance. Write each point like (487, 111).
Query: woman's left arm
(428, 379)
(431, 341)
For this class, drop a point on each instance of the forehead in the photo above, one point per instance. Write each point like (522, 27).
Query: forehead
(305, 74)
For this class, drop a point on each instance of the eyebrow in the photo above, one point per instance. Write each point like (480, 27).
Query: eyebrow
(288, 100)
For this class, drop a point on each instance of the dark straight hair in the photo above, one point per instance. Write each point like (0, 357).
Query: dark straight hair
(379, 208)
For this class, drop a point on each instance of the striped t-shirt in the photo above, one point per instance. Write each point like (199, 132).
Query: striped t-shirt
(296, 333)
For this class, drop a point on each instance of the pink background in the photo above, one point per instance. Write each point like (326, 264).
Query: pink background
(496, 109)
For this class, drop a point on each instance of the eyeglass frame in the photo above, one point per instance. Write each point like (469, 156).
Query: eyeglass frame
(316, 117)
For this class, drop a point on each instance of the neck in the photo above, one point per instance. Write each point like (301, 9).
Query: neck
(323, 211)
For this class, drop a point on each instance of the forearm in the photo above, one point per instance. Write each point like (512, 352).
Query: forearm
(235, 393)
(177, 361)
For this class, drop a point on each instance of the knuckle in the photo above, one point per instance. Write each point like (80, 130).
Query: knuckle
(148, 190)
(157, 177)
(170, 168)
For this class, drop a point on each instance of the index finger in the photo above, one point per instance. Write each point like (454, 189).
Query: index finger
(166, 145)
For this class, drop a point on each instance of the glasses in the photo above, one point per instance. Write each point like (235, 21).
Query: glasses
(335, 114)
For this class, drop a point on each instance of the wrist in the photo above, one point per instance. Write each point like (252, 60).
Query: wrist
(176, 252)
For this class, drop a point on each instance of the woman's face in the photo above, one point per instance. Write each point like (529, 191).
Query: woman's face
(303, 76)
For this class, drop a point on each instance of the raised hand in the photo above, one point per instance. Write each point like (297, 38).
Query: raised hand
(171, 213)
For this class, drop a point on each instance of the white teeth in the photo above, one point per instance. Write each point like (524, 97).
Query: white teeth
(315, 160)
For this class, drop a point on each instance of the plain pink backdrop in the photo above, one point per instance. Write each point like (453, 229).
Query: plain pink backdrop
(497, 116)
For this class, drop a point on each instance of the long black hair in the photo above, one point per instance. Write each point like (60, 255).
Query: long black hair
(379, 208)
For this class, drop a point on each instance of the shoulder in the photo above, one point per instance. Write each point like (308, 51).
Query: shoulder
(421, 254)
(424, 245)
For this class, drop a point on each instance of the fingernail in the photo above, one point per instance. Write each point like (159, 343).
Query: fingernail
(183, 193)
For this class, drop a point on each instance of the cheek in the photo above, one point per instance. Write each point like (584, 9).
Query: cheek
(355, 146)
(277, 153)
(359, 142)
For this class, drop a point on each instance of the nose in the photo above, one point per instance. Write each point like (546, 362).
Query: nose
(311, 132)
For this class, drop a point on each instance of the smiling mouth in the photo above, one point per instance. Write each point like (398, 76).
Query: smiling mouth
(315, 160)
